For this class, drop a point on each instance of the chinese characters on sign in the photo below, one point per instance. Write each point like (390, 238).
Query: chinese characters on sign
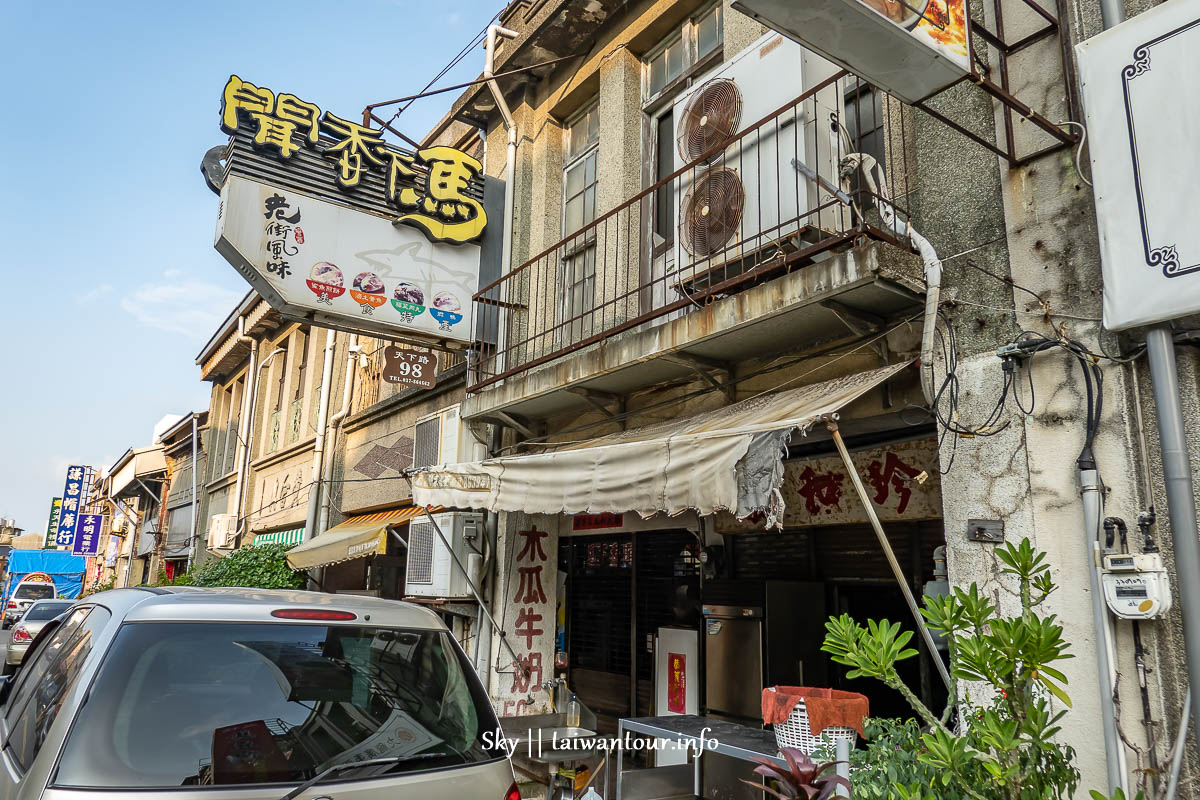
(428, 186)
(75, 494)
(677, 683)
(595, 522)
(87, 535)
(409, 367)
(52, 525)
(817, 491)
(531, 603)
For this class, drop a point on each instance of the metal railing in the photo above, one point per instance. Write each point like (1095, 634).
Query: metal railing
(769, 199)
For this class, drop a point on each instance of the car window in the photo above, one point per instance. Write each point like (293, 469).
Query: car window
(62, 658)
(250, 703)
(39, 612)
(34, 591)
(35, 663)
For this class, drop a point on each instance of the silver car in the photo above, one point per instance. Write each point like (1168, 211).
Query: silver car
(244, 693)
(32, 621)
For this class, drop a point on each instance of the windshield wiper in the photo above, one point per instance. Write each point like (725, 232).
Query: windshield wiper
(336, 768)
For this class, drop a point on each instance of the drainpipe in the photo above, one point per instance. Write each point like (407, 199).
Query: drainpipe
(335, 424)
(192, 524)
(510, 161)
(876, 180)
(314, 487)
(250, 404)
(242, 456)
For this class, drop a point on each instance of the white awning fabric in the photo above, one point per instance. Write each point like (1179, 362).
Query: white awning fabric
(727, 459)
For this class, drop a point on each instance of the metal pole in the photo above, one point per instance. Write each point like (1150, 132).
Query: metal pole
(1181, 503)
(1180, 746)
(192, 524)
(1089, 480)
(887, 551)
(314, 486)
(478, 598)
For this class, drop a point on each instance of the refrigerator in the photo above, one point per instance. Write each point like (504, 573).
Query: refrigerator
(775, 642)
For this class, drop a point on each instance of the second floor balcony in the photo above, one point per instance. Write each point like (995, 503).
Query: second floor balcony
(769, 240)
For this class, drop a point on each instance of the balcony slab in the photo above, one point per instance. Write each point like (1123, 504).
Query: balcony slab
(798, 310)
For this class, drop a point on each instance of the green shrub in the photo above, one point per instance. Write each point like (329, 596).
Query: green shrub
(261, 567)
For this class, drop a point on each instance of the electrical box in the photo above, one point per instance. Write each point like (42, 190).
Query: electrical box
(431, 569)
(1136, 586)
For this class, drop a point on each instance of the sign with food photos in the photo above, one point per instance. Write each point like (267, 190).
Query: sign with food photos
(319, 262)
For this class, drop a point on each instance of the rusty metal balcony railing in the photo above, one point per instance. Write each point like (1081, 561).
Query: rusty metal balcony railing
(741, 213)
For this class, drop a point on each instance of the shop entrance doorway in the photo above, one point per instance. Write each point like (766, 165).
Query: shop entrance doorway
(620, 589)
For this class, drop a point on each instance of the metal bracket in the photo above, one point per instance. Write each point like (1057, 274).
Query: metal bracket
(1001, 92)
(597, 400)
(987, 531)
(707, 369)
(509, 421)
(860, 323)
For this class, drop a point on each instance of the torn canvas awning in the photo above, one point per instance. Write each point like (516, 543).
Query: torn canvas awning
(727, 459)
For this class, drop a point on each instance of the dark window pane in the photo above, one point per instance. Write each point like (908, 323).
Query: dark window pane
(43, 611)
(248, 703)
(664, 165)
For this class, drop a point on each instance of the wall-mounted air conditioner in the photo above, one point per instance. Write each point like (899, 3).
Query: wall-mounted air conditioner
(222, 532)
(748, 202)
(431, 570)
(443, 438)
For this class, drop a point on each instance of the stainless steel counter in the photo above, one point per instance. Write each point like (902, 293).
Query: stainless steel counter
(702, 734)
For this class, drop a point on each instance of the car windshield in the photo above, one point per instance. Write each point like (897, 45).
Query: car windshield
(182, 704)
(44, 611)
(34, 591)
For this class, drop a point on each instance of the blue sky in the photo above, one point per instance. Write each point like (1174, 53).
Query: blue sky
(111, 283)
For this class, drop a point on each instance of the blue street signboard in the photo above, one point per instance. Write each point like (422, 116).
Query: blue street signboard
(72, 503)
(87, 535)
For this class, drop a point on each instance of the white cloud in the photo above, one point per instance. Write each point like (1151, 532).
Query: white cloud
(94, 294)
(193, 308)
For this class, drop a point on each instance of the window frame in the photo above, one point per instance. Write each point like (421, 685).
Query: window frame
(578, 246)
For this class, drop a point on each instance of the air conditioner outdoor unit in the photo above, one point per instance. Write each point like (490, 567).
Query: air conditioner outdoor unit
(443, 438)
(431, 570)
(222, 531)
(749, 198)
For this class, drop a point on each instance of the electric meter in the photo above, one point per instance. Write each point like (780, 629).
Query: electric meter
(1136, 586)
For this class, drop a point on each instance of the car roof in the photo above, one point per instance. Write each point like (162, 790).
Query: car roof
(195, 604)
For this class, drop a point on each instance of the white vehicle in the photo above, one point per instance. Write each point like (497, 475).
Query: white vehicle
(248, 694)
(26, 594)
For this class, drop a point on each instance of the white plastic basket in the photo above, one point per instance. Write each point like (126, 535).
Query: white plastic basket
(795, 732)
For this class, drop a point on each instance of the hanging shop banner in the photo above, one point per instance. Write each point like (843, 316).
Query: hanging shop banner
(911, 49)
(902, 479)
(334, 227)
(74, 498)
(52, 525)
(87, 535)
(410, 368)
(1141, 139)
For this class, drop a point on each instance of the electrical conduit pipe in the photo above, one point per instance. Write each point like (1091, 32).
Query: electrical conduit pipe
(335, 424)
(314, 486)
(246, 412)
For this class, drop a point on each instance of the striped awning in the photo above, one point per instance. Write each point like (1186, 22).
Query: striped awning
(362, 535)
(293, 536)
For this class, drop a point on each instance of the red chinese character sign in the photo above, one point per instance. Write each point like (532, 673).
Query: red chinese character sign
(334, 227)
(531, 593)
(903, 481)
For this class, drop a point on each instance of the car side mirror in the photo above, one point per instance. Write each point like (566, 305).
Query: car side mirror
(5, 688)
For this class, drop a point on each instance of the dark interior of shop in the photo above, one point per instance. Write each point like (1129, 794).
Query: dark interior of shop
(621, 588)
